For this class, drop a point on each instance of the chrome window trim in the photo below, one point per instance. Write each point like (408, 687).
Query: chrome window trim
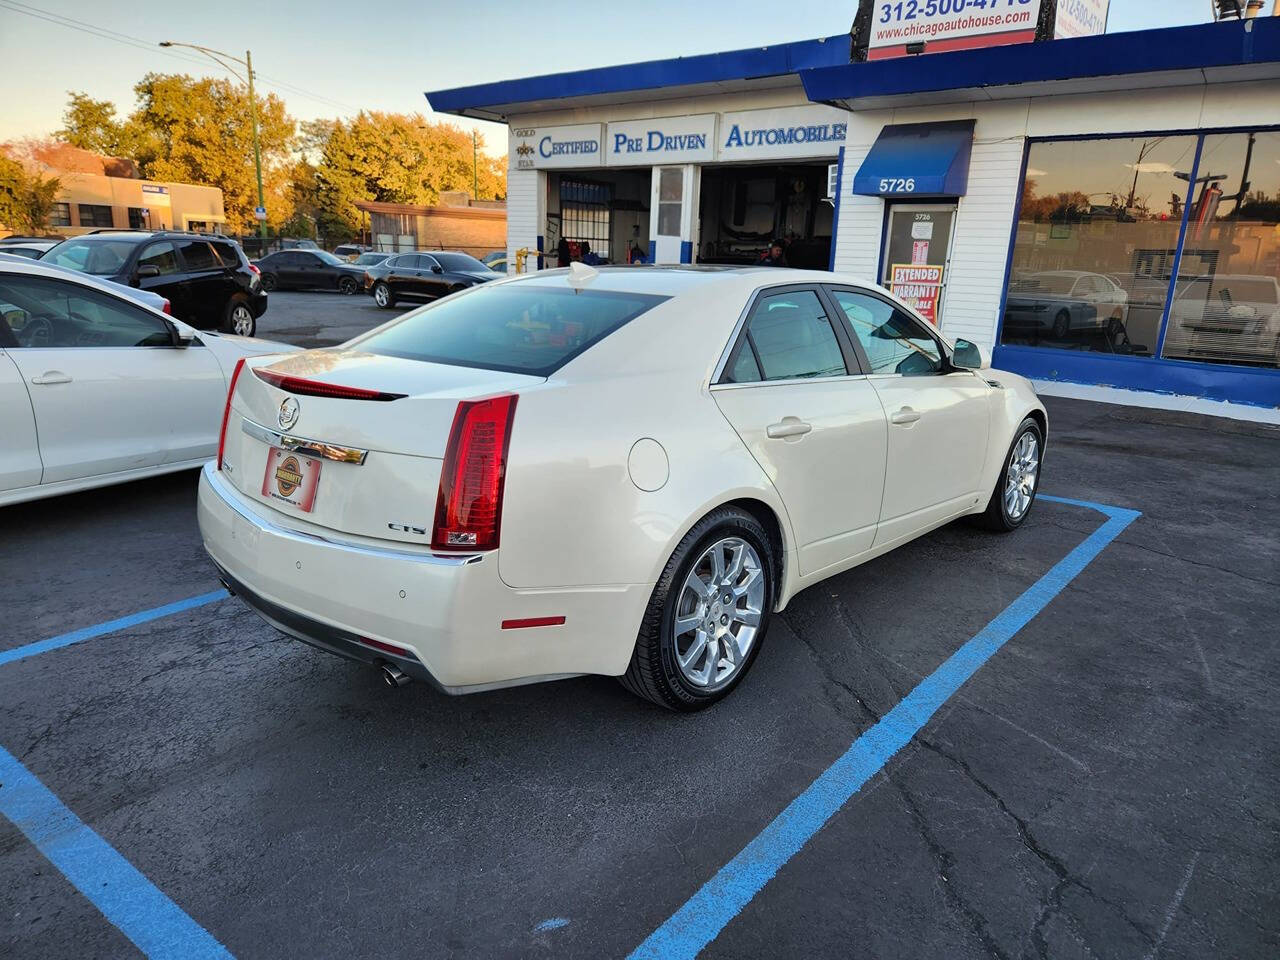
(314, 448)
(219, 486)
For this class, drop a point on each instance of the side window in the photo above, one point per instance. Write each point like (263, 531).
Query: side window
(788, 336)
(893, 341)
(160, 255)
(427, 263)
(50, 313)
(198, 255)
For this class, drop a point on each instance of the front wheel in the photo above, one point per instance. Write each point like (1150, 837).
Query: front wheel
(708, 614)
(382, 295)
(1018, 482)
(1062, 325)
(347, 286)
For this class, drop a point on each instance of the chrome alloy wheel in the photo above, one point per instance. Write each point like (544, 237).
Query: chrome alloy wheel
(718, 614)
(1020, 483)
(381, 295)
(241, 320)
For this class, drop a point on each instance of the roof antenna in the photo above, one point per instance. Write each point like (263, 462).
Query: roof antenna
(580, 275)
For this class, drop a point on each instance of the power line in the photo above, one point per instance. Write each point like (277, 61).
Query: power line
(107, 34)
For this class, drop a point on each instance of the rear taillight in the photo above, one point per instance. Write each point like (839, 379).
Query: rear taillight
(316, 388)
(469, 504)
(165, 307)
(226, 411)
(254, 268)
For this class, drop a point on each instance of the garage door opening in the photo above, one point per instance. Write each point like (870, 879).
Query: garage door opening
(604, 213)
(743, 208)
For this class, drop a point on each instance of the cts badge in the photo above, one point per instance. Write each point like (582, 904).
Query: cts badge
(288, 413)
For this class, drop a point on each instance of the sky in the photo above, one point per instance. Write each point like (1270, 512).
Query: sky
(328, 58)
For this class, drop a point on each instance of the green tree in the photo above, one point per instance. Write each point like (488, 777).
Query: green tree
(92, 125)
(26, 199)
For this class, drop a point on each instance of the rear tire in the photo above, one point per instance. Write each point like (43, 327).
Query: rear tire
(1061, 325)
(1017, 483)
(347, 286)
(382, 296)
(743, 599)
(238, 318)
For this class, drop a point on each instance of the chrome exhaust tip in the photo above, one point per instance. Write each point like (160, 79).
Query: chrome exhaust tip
(393, 676)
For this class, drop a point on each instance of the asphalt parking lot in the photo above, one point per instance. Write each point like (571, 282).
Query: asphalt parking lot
(315, 319)
(1105, 785)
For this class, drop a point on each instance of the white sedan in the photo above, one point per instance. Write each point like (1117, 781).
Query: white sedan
(620, 472)
(97, 388)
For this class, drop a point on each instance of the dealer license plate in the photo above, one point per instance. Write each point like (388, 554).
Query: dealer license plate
(291, 478)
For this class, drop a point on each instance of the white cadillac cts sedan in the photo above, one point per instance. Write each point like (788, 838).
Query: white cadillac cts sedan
(622, 472)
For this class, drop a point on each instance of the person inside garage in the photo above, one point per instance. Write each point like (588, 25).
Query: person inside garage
(775, 256)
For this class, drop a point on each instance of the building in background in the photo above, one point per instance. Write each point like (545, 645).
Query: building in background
(107, 192)
(457, 222)
(1098, 209)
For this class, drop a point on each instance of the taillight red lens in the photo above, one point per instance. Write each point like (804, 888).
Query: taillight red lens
(165, 307)
(469, 505)
(254, 268)
(226, 411)
(315, 388)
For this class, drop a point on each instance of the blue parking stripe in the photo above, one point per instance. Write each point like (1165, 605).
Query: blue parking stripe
(110, 626)
(155, 924)
(709, 910)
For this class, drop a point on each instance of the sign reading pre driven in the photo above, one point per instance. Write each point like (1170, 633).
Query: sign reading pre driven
(661, 140)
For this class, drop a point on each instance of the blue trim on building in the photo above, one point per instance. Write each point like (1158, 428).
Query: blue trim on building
(1197, 47)
(686, 251)
(835, 210)
(539, 251)
(1256, 386)
(910, 160)
(653, 251)
(772, 61)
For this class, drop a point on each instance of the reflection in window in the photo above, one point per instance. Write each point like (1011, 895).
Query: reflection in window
(892, 341)
(1226, 307)
(788, 337)
(1096, 241)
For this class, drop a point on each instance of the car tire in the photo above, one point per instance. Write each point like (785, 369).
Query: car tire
(268, 281)
(1006, 512)
(347, 286)
(383, 296)
(1061, 325)
(238, 317)
(660, 670)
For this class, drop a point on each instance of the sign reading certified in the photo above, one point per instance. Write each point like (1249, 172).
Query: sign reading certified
(534, 148)
(661, 140)
(815, 131)
(963, 24)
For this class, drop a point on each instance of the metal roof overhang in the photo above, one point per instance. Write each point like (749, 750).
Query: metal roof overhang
(734, 71)
(1231, 51)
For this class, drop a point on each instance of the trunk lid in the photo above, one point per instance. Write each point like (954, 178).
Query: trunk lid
(390, 493)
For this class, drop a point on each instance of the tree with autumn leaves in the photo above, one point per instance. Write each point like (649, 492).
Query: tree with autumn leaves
(197, 130)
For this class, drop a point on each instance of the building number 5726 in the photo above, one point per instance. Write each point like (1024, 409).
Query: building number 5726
(898, 185)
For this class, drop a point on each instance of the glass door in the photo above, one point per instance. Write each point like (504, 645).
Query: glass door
(917, 254)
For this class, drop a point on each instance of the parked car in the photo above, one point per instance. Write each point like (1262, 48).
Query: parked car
(348, 251)
(97, 388)
(616, 471)
(207, 280)
(146, 297)
(1226, 317)
(1058, 302)
(423, 276)
(369, 258)
(309, 270)
(29, 247)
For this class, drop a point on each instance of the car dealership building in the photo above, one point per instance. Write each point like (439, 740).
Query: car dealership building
(1099, 210)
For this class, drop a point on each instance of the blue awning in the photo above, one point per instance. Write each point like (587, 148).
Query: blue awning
(918, 160)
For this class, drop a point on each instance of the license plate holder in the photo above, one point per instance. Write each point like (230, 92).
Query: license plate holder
(291, 478)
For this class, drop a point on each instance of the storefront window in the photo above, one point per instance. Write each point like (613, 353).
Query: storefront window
(1226, 306)
(670, 191)
(1096, 242)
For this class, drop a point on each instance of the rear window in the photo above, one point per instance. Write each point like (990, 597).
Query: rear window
(99, 257)
(518, 328)
(459, 261)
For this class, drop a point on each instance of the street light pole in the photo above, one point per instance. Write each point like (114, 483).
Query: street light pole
(218, 57)
(475, 167)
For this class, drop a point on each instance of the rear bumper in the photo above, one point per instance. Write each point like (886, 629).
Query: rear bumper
(258, 303)
(446, 612)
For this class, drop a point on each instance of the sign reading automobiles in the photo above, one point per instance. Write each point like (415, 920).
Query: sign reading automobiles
(536, 148)
(811, 131)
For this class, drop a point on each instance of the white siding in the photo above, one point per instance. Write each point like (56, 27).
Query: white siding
(526, 190)
(861, 222)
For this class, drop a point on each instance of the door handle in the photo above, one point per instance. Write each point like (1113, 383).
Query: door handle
(788, 428)
(51, 376)
(904, 416)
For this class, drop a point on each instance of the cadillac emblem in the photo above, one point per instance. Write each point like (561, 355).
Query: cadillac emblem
(288, 413)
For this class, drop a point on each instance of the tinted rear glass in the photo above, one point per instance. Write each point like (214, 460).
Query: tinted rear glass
(459, 261)
(96, 256)
(517, 328)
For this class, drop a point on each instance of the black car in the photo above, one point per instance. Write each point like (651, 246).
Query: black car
(423, 276)
(207, 280)
(309, 270)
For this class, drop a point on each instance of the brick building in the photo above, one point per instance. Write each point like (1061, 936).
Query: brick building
(459, 223)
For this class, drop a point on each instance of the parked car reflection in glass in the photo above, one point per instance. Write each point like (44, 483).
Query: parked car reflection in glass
(1228, 317)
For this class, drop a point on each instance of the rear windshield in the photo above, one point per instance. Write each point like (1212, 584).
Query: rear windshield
(519, 328)
(101, 258)
(458, 261)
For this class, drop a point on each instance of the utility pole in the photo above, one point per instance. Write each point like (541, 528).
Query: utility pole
(475, 167)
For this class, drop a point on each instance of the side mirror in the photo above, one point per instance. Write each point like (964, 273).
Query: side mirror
(183, 336)
(147, 270)
(969, 356)
(437, 269)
